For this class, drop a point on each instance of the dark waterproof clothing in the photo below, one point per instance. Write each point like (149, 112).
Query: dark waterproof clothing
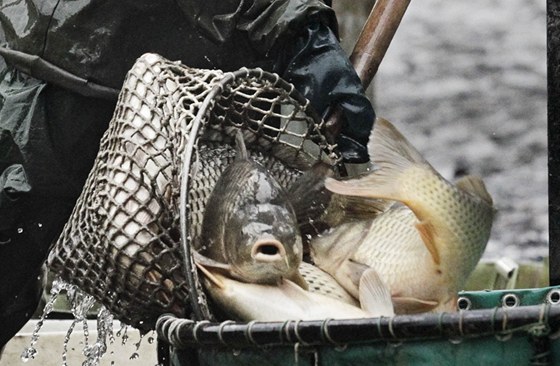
(55, 107)
(99, 40)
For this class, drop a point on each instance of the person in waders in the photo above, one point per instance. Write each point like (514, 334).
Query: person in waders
(63, 63)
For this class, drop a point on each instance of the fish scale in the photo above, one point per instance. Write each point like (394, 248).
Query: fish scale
(423, 248)
(322, 283)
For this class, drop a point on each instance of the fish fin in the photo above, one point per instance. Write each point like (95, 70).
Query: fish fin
(356, 271)
(295, 293)
(388, 147)
(317, 209)
(448, 306)
(349, 208)
(375, 297)
(299, 280)
(474, 186)
(242, 153)
(210, 276)
(412, 305)
(209, 262)
(310, 198)
(392, 154)
(426, 231)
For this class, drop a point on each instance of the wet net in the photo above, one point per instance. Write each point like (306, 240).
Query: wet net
(127, 242)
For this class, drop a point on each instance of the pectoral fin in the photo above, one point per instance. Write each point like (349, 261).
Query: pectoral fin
(209, 262)
(412, 305)
(298, 279)
(349, 275)
(375, 297)
(210, 276)
(426, 230)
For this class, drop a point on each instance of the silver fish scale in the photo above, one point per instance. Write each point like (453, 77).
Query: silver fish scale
(467, 218)
(122, 241)
(394, 249)
(322, 283)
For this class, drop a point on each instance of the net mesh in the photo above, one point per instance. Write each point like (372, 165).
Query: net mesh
(173, 125)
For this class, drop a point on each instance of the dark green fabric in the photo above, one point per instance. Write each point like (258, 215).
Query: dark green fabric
(481, 351)
(490, 299)
(99, 40)
(48, 140)
(50, 136)
(519, 349)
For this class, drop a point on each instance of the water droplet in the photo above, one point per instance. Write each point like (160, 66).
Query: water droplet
(455, 340)
(139, 343)
(19, 230)
(134, 356)
(151, 340)
(125, 335)
(28, 354)
(236, 352)
(39, 224)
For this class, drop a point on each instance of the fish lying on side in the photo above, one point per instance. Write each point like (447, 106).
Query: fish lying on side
(320, 282)
(249, 228)
(288, 301)
(426, 245)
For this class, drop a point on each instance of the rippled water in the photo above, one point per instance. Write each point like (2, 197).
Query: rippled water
(466, 82)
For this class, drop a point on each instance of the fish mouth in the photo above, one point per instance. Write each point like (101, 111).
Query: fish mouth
(268, 251)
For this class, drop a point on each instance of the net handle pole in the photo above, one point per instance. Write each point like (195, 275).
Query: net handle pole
(371, 46)
(189, 266)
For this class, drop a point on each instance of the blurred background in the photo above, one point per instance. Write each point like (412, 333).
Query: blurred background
(466, 82)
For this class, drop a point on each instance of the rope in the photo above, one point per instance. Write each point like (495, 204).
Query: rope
(325, 334)
(221, 330)
(195, 329)
(248, 333)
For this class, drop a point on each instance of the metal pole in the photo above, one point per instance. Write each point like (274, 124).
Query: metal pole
(553, 33)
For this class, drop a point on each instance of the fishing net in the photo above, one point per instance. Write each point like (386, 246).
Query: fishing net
(166, 146)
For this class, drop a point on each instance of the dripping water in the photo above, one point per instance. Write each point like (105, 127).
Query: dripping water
(30, 352)
(81, 304)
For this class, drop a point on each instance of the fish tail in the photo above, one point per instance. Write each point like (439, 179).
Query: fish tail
(393, 155)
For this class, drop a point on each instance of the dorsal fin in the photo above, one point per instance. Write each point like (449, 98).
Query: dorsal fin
(393, 156)
(474, 186)
(240, 146)
(318, 209)
(388, 148)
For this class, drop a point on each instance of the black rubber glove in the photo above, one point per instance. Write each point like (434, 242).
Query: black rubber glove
(320, 69)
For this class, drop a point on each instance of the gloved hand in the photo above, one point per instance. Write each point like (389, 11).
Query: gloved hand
(320, 69)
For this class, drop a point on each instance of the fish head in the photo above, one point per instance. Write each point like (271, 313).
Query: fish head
(264, 243)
